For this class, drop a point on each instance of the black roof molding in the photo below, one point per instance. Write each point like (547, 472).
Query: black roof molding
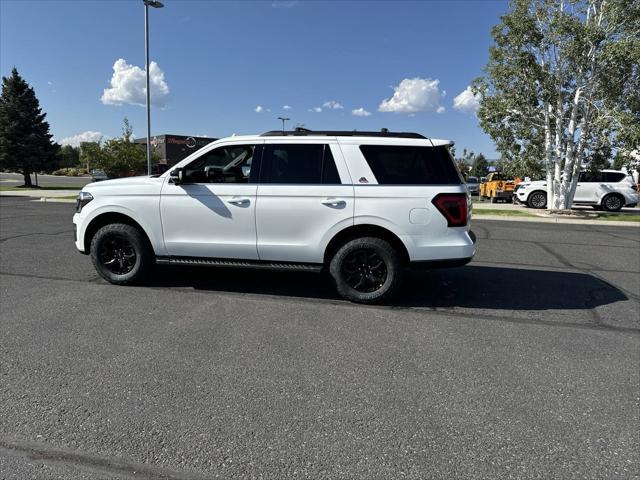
(304, 132)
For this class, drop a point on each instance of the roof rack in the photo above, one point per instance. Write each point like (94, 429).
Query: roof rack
(304, 132)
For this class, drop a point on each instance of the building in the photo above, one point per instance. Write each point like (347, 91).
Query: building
(170, 149)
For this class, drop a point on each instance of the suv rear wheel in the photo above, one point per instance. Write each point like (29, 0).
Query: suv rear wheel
(121, 254)
(612, 202)
(367, 270)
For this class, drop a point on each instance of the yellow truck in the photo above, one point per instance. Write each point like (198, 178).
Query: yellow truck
(497, 186)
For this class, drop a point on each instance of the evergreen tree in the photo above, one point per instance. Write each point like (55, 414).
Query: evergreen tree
(25, 141)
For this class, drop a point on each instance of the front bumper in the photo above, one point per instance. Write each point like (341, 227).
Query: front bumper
(78, 234)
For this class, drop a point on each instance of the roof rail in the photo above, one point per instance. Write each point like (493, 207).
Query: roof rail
(304, 132)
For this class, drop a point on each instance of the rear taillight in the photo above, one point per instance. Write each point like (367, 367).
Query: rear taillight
(453, 206)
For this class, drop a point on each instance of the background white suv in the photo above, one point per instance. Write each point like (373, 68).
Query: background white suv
(365, 205)
(606, 189)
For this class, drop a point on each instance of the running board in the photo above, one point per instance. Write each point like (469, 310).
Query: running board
(229, 262)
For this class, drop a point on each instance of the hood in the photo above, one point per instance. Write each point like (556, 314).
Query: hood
(127, 185)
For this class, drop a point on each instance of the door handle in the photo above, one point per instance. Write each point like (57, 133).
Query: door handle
(239, 201)
(334, 202)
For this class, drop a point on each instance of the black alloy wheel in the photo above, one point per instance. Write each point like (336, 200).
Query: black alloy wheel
(121, 254)
(367, 270)
(364, 270)
(117, 254)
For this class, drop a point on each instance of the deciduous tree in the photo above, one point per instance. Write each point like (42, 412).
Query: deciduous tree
(562, 82)
(120, 157)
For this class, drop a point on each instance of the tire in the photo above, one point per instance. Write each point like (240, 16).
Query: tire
(493, 200)
(537, 199)
(352, 268)
(121, 254)
(613, 202)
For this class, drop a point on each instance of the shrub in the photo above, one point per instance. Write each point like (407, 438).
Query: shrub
(70, 172)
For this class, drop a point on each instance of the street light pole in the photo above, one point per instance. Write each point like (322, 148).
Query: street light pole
(147, 4)
(283, 120)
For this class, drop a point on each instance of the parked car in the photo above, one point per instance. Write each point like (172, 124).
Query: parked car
(98, 175)
(363, 205)
(473, 186)
(609, 190)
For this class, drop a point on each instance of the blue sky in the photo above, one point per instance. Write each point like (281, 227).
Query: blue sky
(218, 61)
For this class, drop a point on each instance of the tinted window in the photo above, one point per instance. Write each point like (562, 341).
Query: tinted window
(223, 165)
(298, 164)
(614, 177)
(403, 165)
(591, 177)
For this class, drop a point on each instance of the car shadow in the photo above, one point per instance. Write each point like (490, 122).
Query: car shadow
(480, 287)
(207, 198)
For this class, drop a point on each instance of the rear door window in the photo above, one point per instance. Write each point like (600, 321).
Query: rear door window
(591, 177)
(298, 164)
(409, 165)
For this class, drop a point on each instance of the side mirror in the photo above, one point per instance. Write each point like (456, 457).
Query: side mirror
(177, 176)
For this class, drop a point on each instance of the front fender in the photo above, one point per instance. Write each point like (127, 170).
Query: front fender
(149, 221)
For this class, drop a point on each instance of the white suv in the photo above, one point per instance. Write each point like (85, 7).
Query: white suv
(364, 205)
(607, 189)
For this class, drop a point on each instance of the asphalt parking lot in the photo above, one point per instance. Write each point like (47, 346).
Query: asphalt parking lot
(523, 364)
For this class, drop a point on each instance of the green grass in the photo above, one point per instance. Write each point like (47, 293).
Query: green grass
(21, 189)
(619, 217)
(614, 217)
(502, 213)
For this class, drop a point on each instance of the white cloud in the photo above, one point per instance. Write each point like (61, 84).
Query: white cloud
(360, 112)
(258, 109)
(332, 105)
(315, 109)
(128, 85)
(413, 95)
(440, 109)
(287, 107)
(467, 102)
(88, 136)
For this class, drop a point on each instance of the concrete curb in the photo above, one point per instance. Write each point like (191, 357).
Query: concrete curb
(39, 193)
(54, 200)
(508, 218)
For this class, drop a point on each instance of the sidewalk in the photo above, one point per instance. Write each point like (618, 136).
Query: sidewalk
(43, 195)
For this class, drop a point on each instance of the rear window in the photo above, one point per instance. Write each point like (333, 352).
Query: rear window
(407, 165)
(614, 176)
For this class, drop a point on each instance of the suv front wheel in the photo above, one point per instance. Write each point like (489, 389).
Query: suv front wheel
(367, 270)
(120, 254)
